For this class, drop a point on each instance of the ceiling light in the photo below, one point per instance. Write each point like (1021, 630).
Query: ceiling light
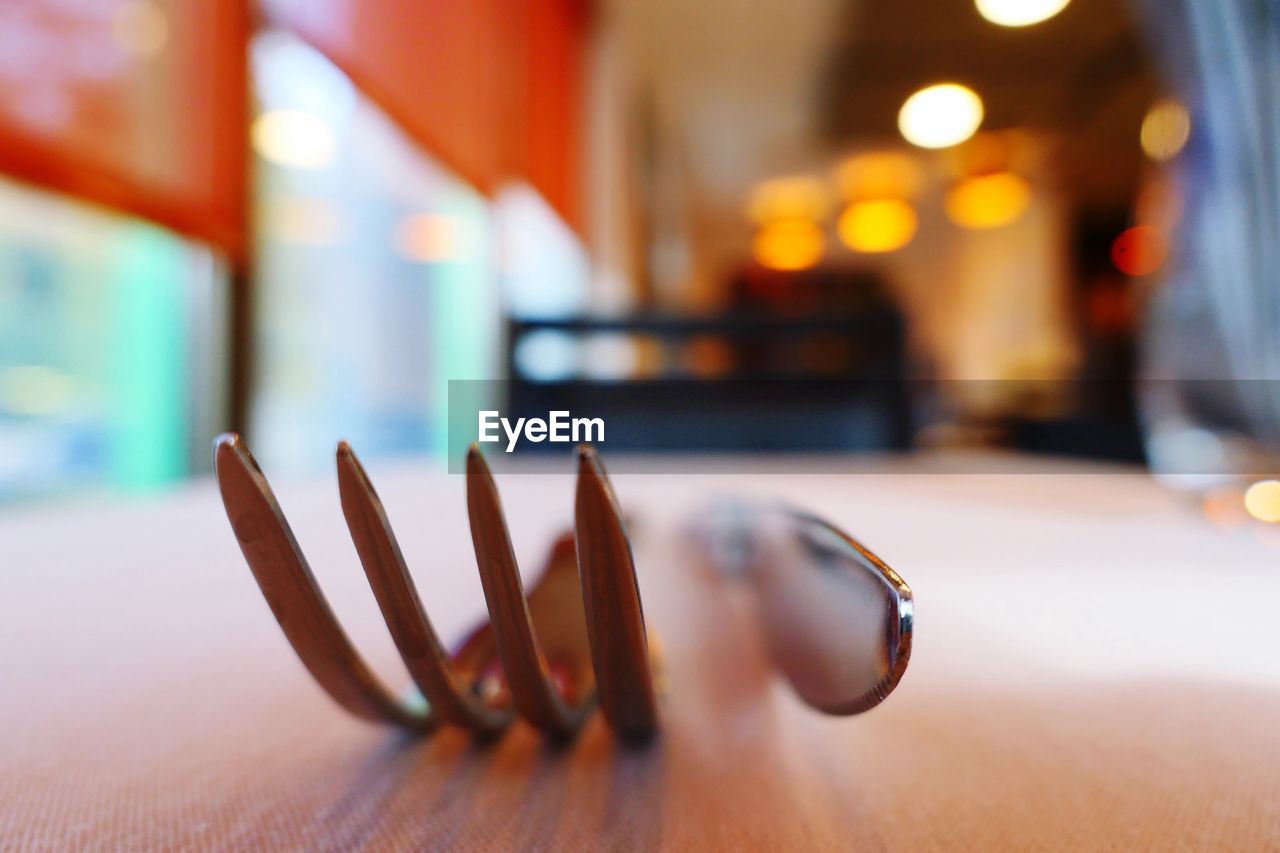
(294, 138)
(1262, 500)
(879, 174)
(611, 357)
(940, 116)
(1138, 251)
(988, 201)
(877, 226)
(789, 245)
(985, 154)
(547, 355)
(1019, 13)
(1165, 129)
(788, 199)
(430, 238)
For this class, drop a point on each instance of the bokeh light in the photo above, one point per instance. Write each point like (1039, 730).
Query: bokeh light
(140, 27)
(882, 225)
(940, 116)
(431, 238)
(547, 355)
(1165, 130)
(879, 174)
(988, 201)
(1139, 250)
(1262, 500)
(611, 356)
(791, 198)
(1222, 507)
(294, 138)
(1019, 13)
(709, 357)
(794, 244)
(985, 153)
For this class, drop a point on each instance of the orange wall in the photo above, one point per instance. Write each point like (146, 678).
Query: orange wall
(158, 132)
(491, 87)
(553, 134)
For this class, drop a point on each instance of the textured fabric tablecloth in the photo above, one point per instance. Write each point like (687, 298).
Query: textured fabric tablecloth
(1096, 667)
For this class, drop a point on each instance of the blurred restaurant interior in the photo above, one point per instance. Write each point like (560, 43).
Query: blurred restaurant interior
(1044, 226)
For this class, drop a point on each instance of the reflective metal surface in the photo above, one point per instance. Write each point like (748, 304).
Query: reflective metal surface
(548, 654)
(837, 621)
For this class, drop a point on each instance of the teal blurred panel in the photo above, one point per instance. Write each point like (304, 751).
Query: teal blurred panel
(110, 361)
(463, 323)
(147, 359)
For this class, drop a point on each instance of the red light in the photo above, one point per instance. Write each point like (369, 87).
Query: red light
(1138, 251)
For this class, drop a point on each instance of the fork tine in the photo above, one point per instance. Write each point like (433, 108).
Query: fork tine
(447, 689)
(611, 597)
(526, 668)
(291, 591)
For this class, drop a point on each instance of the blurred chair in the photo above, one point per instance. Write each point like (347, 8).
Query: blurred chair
(731, 383)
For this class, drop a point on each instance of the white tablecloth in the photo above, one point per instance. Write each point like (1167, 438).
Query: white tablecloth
(1096, 666)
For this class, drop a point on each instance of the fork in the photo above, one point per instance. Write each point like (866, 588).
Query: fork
(501, 669)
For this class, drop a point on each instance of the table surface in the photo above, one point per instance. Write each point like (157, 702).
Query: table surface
(1096, 666)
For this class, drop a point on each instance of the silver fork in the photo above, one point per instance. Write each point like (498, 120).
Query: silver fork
(530, 659)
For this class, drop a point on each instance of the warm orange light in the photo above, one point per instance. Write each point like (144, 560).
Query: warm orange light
(880, 174)
(986, 153)
(882, 225)
(789, 245)
(1139, 250)
(708, 357)
(430, 238)
(1165, 129)
(1262, 500)
(1223, 508)
(988, 201)
(794, 198)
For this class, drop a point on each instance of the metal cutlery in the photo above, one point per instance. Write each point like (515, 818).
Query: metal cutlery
(550, 655)
(837, 621)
